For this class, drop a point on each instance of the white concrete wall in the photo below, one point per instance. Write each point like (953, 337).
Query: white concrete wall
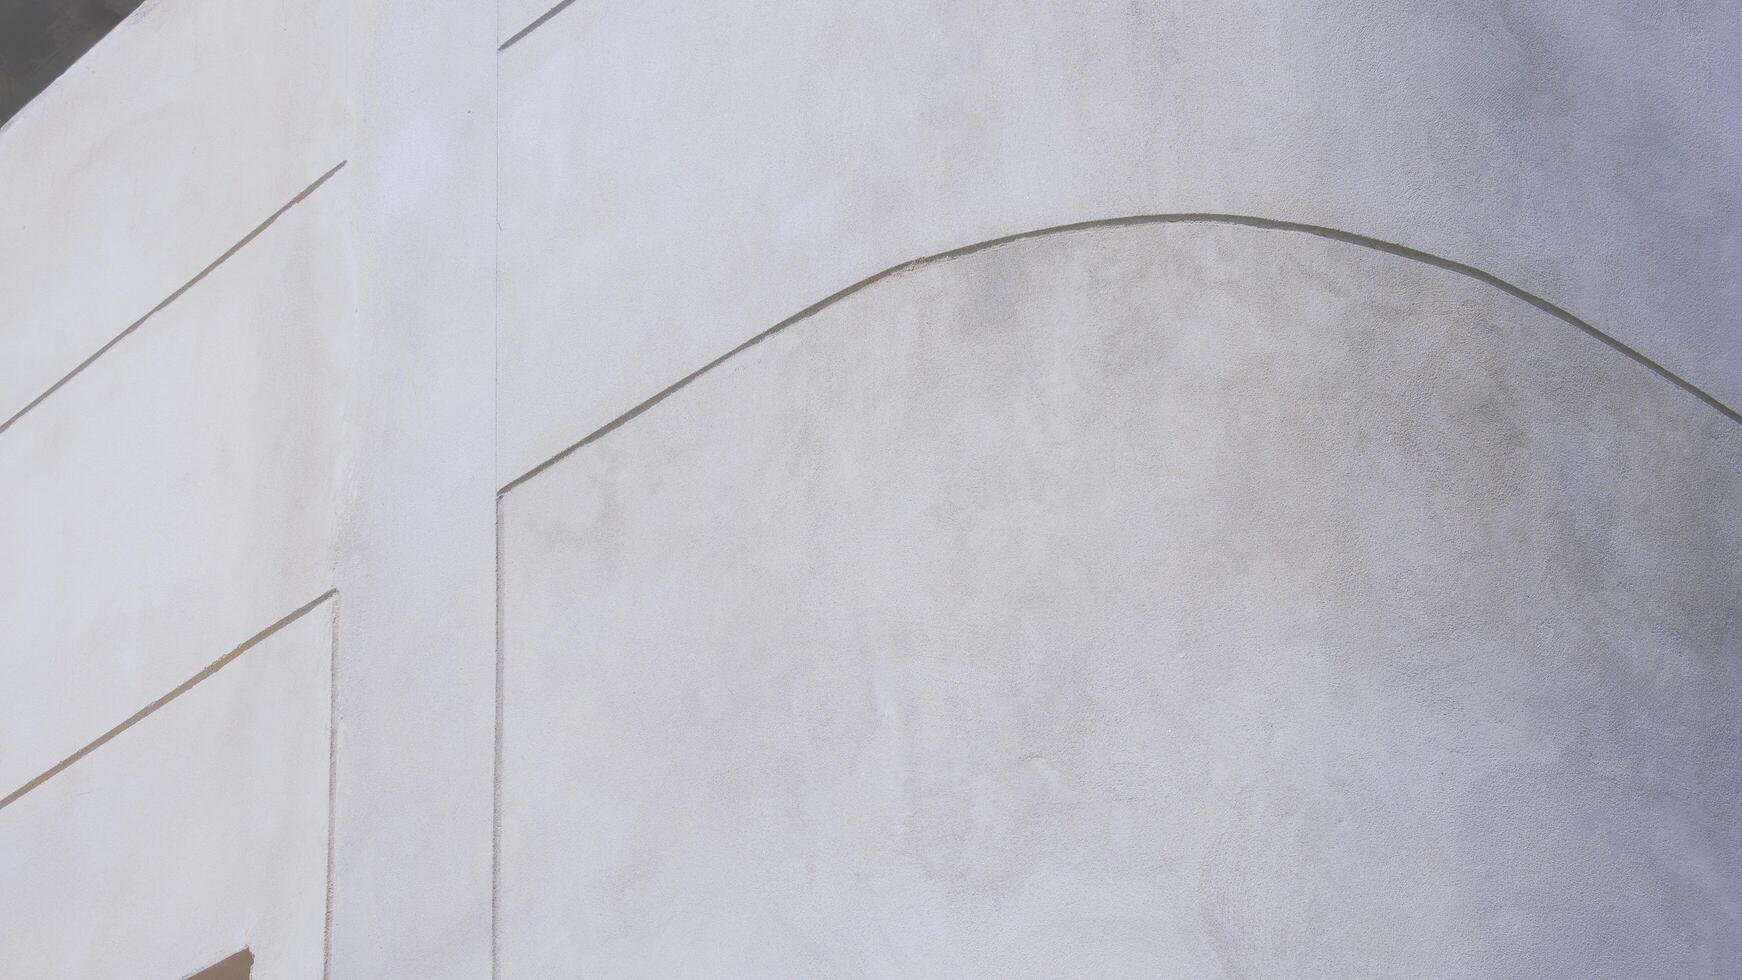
(1347, 587)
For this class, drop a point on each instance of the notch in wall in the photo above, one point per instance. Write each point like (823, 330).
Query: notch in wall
(236, 966)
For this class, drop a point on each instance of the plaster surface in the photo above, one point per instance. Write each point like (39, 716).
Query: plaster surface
(200, 831)
(178, 495)
(1176, 600)
(676, 178)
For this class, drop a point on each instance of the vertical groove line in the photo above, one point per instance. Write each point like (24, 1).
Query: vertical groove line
(332, 789)
(495, 472)
(496, 775)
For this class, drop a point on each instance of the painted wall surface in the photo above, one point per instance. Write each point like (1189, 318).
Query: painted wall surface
(502, 488)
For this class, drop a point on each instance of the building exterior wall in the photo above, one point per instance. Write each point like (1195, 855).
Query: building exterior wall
(915, 489)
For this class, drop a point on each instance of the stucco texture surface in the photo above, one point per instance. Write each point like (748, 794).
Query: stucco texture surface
(1180, 600)
(200, 830)
(675, 178)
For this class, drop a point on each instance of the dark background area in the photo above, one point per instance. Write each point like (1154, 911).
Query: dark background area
(39, 39)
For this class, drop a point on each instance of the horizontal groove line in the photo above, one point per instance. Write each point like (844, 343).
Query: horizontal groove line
(177, 692)
(536, 24)
(172, 297)
(1240, 220)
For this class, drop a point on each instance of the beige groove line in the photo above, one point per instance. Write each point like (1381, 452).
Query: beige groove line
(176, 692)
(536, 24)
(172, 297)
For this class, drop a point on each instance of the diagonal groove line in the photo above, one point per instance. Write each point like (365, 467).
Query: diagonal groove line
(178, 691)
(1241, 220)
(536, 24)
(172, 297)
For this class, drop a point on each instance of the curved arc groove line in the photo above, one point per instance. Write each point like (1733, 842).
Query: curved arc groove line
(1246, 221)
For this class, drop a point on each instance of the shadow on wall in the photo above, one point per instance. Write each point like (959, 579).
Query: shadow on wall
(39, 39)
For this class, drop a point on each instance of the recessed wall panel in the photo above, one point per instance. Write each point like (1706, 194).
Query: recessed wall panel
(1164, 601)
